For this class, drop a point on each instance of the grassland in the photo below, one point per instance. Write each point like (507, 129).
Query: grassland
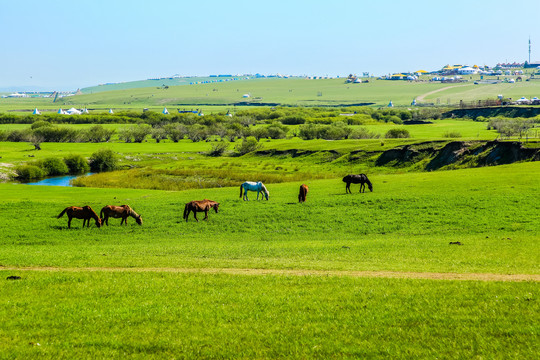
(293, 91)
(171, 289)
(441, 264)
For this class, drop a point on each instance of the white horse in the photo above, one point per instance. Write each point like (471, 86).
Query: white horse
(254, 186)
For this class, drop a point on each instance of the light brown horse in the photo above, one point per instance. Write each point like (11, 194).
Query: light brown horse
(303, 193)
(122, 211)
(199, 206)
(86, 213)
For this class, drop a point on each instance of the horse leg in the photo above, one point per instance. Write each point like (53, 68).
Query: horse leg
(195, 215)
(187, 215)
(348, 188)
(205, 214)
(362, 187)
(69, 222)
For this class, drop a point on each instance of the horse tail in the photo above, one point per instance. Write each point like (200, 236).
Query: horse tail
(62, 213)
(241, 187)
(186, 211)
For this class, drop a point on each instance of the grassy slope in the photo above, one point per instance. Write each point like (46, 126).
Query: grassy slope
(410, 218)
(293, 91)
(406, 224)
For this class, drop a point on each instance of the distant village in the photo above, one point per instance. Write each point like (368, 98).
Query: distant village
(502, 72)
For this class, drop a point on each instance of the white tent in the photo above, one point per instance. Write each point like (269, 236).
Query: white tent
(36, 112)
(73, 111)
(110, 111)
(85, 111)
(61, 112)
(165, 111)
(390, 104)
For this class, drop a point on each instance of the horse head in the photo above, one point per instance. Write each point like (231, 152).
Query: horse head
(98, 221)
(370, 186)
(265, 191)
(138, 220)
(216, 207)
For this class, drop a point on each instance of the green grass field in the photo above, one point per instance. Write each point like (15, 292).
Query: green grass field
(215, 97)
(340, 276)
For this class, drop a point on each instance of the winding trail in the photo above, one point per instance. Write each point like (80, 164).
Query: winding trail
(285, 272)
(421, 97)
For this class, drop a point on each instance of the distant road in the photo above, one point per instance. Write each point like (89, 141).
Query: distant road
(421, 97)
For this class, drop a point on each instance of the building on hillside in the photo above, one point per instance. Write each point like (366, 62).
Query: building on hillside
(532, 64)
(467, 70)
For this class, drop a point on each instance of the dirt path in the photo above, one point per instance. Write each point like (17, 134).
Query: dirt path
(421, 97)
(339, 273)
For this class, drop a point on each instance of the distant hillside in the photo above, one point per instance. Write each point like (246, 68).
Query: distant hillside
(172, 81)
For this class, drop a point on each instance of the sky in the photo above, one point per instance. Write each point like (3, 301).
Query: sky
(64, 44)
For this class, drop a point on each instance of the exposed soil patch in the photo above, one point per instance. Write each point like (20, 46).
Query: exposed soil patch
(262, 272)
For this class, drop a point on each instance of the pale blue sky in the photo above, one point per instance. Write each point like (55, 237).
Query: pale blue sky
(67, 44)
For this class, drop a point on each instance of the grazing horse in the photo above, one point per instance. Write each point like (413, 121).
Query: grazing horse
(199, 206)
(303, 193)
(253, 186)
(86, 213)
(357, 179)
(123, 211)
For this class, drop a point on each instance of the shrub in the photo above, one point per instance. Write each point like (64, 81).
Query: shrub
(260, 133)
(158, 134)
(98, 134)
(276, 131)
(175, 132)
(218, 149)
(452, 134)
(397, 134)
(248, 145)
(308, 132)
(140, 132)
(77, 164)
(40, 123)
(103, 160)
(29, 172)
(394, 119)
(293, 120)
(53, 166)
(18, 135)
(363, 133)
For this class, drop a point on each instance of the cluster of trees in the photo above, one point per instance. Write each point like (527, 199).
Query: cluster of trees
(507, 127)
(283, 115)
(43, 131)
(101, 160)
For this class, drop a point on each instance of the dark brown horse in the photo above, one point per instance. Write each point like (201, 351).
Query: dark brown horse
(123, 212)
(86, 213)
(361, 179)
(303, 193)
(199, 206)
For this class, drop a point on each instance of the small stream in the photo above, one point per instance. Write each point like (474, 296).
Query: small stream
(56, 180)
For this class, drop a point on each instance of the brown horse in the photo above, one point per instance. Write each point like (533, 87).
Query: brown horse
(361, 179)
(303, 193)
(199, 206)
(122, 211)
(86, 213)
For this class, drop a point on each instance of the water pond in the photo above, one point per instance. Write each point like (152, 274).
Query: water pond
(56, 181)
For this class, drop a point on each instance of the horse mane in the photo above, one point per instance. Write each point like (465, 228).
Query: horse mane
(92, 212)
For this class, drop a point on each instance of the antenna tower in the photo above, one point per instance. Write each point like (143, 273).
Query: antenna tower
(529, 49)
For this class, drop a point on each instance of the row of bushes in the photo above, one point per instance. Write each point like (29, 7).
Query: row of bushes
(101, 160)
(40, 132)
(283, 115)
